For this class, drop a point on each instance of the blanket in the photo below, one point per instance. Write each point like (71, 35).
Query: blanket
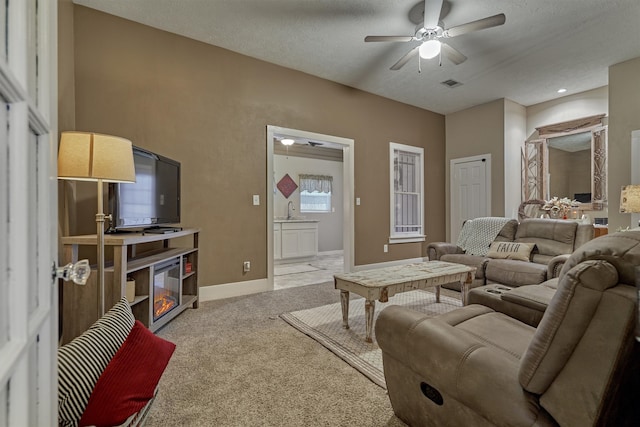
(477, 234)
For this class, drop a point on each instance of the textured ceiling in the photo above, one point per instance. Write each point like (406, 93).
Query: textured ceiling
(543, 46)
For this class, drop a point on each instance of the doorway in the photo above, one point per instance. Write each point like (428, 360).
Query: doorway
(347, 147)
(470, 183)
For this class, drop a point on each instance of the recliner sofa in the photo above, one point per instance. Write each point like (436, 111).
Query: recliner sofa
(554, 240)
(475, 366)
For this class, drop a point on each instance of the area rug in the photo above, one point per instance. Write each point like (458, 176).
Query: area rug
(282, 270)
(324, 324)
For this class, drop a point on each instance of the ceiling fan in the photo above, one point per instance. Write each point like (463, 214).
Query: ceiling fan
(431, 34)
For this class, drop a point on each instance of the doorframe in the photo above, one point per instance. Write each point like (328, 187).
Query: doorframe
(348, 217)
(487, 179)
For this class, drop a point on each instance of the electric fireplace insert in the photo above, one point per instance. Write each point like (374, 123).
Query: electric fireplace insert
(166, 287)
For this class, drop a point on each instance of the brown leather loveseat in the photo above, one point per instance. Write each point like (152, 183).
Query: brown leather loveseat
(474, 366)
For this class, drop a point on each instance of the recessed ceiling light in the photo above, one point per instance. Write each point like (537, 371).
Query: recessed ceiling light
(563, 90)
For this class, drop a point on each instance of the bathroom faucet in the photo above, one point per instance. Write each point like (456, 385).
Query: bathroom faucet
(289, 209)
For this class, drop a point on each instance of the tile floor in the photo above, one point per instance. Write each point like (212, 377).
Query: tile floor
(319, 270)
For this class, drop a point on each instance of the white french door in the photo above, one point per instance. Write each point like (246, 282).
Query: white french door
(28, 212)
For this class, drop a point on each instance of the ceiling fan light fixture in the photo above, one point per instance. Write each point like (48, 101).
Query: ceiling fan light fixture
(287, 141)
(430, 49)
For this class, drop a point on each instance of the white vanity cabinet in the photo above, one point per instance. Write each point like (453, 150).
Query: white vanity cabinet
(297, 239)
(277, 240)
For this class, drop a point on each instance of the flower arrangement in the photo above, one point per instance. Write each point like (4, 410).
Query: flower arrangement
(559, 207)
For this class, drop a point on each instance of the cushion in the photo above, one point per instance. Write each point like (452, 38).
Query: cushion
(129, 380)
(515, 273)
(511, 250)
(81, 362)
(470, 260)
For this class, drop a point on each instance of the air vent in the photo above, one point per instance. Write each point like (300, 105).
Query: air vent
(451, 83)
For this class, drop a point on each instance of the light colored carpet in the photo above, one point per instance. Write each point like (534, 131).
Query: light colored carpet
(324, 324)
(282, 270)
(237, 364)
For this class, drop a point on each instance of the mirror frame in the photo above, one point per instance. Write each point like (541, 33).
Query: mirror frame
(535, 160)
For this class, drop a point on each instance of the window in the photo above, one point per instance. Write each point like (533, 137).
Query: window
(315, 193)
(407, 194)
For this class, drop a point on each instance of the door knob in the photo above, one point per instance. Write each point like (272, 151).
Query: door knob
(77, 273)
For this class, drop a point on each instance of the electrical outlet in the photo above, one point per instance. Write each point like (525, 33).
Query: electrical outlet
(385, 248)
(246, 266)
(357, 201)
(256, 199)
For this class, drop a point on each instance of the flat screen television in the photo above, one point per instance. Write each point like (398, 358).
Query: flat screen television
(153, 200)
(582, 197)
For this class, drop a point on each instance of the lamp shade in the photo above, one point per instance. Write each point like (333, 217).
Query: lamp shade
(630, 199)
(87, 156)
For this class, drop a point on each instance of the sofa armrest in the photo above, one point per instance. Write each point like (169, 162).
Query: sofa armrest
(455, 363)
(555, 265)
(436, 249)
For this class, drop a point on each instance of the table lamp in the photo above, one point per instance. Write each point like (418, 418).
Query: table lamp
(88, 156)
(630, 199)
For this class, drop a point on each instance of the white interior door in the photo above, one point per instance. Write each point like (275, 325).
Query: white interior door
(470, 190)
(28, 197)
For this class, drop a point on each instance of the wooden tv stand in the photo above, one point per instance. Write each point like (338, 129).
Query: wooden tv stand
(133, 255)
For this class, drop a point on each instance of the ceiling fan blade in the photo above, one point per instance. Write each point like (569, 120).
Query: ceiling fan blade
(388, 38)
(413, 52)
(452, 54)
(416, 14)
(480, 24)
(432, 10)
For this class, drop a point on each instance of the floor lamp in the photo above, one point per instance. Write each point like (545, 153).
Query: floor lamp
(87, 156)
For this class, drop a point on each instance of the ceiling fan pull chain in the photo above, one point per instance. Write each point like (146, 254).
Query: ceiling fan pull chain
(419, 65)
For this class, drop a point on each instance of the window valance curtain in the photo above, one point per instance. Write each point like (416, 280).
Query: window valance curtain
(319, 183)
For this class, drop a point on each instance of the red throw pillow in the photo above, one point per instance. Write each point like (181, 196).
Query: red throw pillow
(129, 380)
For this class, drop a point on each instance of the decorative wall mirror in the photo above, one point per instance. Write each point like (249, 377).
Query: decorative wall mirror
(567, 159)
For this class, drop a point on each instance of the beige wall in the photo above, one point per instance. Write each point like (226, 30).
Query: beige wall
(473, 132)
(66, 99)
(515, 122)
(570, 107)
(624, 117)
(209, 108)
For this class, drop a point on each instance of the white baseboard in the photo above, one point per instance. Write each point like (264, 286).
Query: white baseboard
(228, 290)
(335, 252)
(388, 263)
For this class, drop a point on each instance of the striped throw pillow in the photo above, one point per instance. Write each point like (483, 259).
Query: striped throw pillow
(82, 361)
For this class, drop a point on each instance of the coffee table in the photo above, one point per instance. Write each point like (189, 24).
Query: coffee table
(382, 283)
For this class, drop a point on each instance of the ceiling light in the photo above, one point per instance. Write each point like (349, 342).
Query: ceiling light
(287, 141)
(563, 90)
(429, 49)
